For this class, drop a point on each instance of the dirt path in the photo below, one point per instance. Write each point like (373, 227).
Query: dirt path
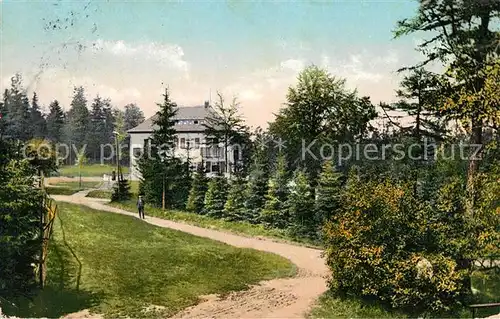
(278, 298)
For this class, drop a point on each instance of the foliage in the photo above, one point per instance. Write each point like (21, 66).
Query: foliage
(216, 197)
(16, 113)
(275, 213)
(77, 120)
(55, 122)
(41, 155)
(20, 211)
(256, 188)
(101, 127)
(38, 124)
(225, 125)
(328, 192)
(162, 170)
(121, 191)
(196, 196)
(300, 205)
(319, 108)
(234, 208)
(386, 242)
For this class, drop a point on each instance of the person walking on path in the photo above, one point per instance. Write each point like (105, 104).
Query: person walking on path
(140, 207)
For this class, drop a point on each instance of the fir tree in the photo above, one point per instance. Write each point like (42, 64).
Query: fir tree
(300, 205)
(55, 122)
(17, 111)
(37, 121)
(275, 213)
(256, 190)
(327, 192)
(198, 190)
(234, 209)
(76, 126)
(121, 191)
(161, 169)
(216, 197)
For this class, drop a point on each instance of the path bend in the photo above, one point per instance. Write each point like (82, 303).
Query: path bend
(277, 298)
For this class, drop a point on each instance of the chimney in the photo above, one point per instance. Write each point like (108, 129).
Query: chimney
(207, 104)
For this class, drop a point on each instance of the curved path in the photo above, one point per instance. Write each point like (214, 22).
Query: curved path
(278, 298)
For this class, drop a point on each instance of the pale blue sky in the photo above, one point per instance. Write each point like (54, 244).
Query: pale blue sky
(127, 49)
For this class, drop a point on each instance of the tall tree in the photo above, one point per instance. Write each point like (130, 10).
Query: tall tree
(216, 197)
(224, 124)
(133, 116)
(38, 124)
(319, 108)
(464, 37)
(418, 99)
(77, 120)
(197, 193)
(17, 109)
(299, 204)
(101, 126)
(234, 208)
(55, 122)
(161, 172)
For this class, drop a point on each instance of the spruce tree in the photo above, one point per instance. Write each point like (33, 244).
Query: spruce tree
(17, 111)
(216, 197)
(55, 122)
(197, 192)
(161, 170)
(255, 192)
(300, 205)
(37, 121)
(77, 124)
(275, 213)
(234, 209)
(327, 192)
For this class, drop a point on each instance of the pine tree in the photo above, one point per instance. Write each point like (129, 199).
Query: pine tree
(198, 190)
(55, 122)
(38, 124)
(121, 191)
(162, 168)
(216, 197)
(234, 209)
(101, 126)
(17, 111)
(300, 205)
(275, 213)
(327, 192)
(77, 119)
(255, 192)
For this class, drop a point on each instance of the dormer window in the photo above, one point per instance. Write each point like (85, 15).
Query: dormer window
(195, 121)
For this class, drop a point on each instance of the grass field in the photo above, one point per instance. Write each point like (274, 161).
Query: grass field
(487, 284)
(69, 188)
(241, 228)
(90, 170)
(120, 266)
(106, 193)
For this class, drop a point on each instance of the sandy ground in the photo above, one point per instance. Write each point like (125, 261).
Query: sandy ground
(278, 298)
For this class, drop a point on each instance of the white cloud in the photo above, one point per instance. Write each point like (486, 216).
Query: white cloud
(293, 64)
(170, 55)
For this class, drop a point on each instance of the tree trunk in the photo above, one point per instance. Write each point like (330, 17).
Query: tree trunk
(473, 166)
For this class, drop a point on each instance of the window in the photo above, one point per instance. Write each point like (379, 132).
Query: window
(197, 142)
(183, 143)
(195, 122)
(176, 141)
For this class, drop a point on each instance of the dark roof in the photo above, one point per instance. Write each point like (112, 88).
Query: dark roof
(183, 113)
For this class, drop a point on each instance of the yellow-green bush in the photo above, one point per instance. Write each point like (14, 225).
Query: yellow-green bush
(414, 254)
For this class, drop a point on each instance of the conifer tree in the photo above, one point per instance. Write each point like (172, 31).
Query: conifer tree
(275, 213)
(77, 123)
(198, 190)
(17, 111)
(37, 121)
(256, 189)
(55, 122)
(234, 209)
(300, 205)
(216, 197)
(162, 170)
(327, 192)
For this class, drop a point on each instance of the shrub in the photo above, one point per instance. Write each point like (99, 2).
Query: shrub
(387, 243)
(215, 197)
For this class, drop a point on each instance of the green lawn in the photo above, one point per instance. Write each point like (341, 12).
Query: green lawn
(61, 190)
(119, 266)
(90, 170)
(76, 184)
(241, 228)
(69, 188)
(100, 193)
(487, 284)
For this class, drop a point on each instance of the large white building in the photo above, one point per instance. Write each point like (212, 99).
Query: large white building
(190, 142)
